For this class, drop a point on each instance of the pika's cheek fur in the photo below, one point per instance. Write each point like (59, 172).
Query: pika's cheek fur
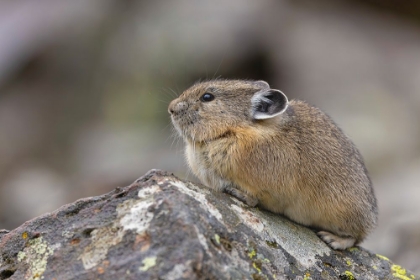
(198, 126)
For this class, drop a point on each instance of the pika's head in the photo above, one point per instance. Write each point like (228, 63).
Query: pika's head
(209, 110)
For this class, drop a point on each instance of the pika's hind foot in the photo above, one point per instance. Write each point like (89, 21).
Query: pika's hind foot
(336, 242)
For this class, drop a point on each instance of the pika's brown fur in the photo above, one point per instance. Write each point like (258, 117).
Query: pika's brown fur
(247, 139)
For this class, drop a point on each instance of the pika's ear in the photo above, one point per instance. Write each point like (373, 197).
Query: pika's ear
(268, 103)
(262, 84)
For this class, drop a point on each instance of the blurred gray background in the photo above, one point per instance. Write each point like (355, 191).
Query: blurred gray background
(84, 89)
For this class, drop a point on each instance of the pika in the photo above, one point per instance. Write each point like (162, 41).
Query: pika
(246, 139)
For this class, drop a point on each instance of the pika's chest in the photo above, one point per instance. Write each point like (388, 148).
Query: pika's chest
(212, 165)
(203, 157)
(211, 156)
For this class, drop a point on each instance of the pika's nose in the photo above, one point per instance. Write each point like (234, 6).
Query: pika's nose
(175, 106)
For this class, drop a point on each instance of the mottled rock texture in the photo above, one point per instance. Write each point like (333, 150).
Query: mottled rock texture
(160, 227)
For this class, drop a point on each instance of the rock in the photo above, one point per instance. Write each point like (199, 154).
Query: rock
(161, 227)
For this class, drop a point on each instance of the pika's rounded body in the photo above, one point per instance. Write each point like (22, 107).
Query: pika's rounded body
(246, 139)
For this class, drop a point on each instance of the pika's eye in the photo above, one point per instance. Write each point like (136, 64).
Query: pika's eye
(207, 97)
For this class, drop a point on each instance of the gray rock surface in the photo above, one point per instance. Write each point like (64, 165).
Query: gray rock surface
(160, 227)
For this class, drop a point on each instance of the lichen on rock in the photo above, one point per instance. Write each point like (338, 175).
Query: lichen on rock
(35, 255)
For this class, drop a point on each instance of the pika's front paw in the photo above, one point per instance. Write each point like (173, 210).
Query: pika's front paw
(336, 242)
(242, 196)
